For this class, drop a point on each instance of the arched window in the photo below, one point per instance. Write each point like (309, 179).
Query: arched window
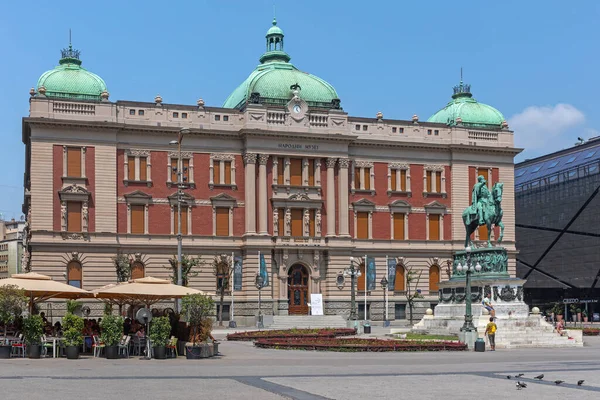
(74, 274)
(400, 282)
(434, 278)
(137, 270)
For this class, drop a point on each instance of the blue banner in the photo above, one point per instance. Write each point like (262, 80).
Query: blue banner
(237, 273)
(391, 274)
(371, 273)
(263, 270)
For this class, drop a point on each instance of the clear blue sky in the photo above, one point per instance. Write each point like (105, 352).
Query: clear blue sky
(537, 62)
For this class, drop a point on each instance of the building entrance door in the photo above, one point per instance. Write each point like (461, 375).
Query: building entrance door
(298, 290)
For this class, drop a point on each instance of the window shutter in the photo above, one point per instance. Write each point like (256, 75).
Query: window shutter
(403, 180)
(297, 223)
(362, 227)
(361, 282)
(73, 216)
(217, 172)
(367, 178)
(357, 178)
(173, 170)
(393, 178)
(399, 282)
(74, 162)
(228, 172)
(434, 227)
(428, 190)
(438, 182)
(311, 172)
(137, 270)
(281, 222)
(434, 278)
(184, 219)
(137, 219)
(399, 226)
(130, 168)
(222, 214)
(143, 168)
(296, 172)
(280, 170)
(311, 230)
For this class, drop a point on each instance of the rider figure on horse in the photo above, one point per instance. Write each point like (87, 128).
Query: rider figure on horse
(480, 199)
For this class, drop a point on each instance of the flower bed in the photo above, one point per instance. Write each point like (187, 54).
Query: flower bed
(591, 331)
(292, 333)
(355, 345)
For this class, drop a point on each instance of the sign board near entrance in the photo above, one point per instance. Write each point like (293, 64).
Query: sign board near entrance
(316, 304)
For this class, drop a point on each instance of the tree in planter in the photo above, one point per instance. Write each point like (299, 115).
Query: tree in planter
(196, 308)
(111, 334)
(412, 292)
(222, 269)
(160, 332)
(33, 329)
(122, 267)
(72, 331)
(188, 268)
(12, 303)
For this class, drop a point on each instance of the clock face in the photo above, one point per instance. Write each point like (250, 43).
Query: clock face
(297, 108)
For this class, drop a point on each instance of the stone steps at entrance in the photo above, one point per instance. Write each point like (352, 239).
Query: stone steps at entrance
(307, 321)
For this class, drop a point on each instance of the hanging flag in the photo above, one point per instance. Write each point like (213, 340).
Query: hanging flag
(371, 273)
(263, 270)
(391, 273)
(237, 273)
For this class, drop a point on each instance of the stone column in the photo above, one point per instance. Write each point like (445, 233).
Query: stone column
(262, 194)
(343, 195)
(250, 192)
(331, 196)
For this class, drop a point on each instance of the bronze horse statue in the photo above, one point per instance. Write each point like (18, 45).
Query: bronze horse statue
(492, 215)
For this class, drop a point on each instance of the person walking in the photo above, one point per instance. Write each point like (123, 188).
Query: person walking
(490, 332)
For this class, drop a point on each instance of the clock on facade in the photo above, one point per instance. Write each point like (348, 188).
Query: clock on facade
(297, 109)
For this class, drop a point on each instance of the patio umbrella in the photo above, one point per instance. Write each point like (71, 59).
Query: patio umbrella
(119, 301)
(41, 287)
(148, 291)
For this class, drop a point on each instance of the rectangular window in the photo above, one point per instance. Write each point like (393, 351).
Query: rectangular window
(174, 170)
(436, 132)
(311, 230)
(403, 180)
(296, 172)
(222, 214)
(428, 189)
(74, 162)
(185, 164)
(367, 178)
(137, 219)
(297, 223)
(362, 225)
(130, 168)
(434, 227)
(175, 115)
(141, 113)
(393, 178)
(399, 226)
(73, 216)
(280, 171)
(184, 115)
(365, 127)
(357, 127)
(394, 130)
(225, 118)
(132, 112)
(401, 130)
(357, 178)
(143, 168)
(227, 172)
(217, 117)
(217, 172)
(361, 282)
(429, 131)
(281, 222)
(311, 172)
(184, 220)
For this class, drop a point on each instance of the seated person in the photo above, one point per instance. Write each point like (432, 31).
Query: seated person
(560, 328)
(488, 306)
(140, 333)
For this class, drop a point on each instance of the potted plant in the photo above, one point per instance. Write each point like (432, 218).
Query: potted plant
(196, 308)
(160, 332)
(578, 314)
(558, 311)
(112, 332)
(72, 335)
(33, 329)
(584, 314)
(12, 302)
(573, 311)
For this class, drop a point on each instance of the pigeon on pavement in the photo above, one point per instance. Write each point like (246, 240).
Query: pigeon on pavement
(507, 376)
(579, 383)
(539, 377)
(558, 382)
(521, 385)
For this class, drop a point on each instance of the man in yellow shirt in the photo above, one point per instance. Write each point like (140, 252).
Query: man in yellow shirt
(490, 331)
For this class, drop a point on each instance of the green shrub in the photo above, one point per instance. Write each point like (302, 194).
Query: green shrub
(72, 306)
(112, 329)
(197, 308)
(72, 330)
(160, 331)
(33, 329)
(12, 302)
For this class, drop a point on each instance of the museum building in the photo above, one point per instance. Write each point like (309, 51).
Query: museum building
(279, 170)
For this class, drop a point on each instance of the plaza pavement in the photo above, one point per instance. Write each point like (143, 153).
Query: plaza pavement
(245, 372)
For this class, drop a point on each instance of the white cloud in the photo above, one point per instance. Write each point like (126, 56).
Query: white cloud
(545, 129)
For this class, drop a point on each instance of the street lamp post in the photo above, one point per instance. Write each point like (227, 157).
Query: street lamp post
(468, 268)
(259, 285)
(180, 186)
(384, 286)
(353, 273)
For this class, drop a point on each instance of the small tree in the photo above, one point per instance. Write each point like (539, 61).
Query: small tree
(197, 308)
(72, 330)
(412, 292)
(160, 331)
(188, 268)
(222, 270)
(122, 267)
(112, 329)
(12, 302)
(33, 329)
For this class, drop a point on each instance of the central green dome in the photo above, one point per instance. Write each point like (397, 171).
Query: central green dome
(70, 80)
(464, 109)
(271, 82)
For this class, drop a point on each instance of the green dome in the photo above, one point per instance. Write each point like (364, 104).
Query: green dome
(271, 82)
(470, 112)
(70, 80)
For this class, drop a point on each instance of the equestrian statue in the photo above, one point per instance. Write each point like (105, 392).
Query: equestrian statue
(485, 209)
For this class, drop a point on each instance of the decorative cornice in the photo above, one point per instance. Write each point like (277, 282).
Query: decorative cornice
(331, 162)
(222, 156)
(137, 153)
(398, 165)
(363, 164)
(436, 168)
(184, 154)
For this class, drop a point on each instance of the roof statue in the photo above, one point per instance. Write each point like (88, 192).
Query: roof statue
(485, 209)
